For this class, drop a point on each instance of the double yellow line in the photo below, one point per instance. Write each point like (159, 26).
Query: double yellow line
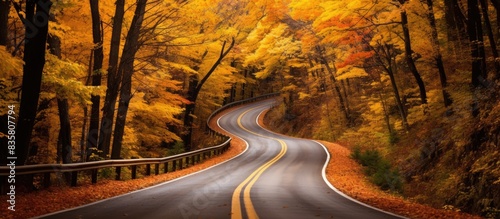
(236, 212)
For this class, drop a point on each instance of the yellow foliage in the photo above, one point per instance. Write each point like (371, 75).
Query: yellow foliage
(351, 72)
(62, 75)
(303, 95)
(10, 65)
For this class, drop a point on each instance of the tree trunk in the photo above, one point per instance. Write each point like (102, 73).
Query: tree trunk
(64, 140)
(244, 85)
(384, 108)
(455, 20)
(114, 80)
(384, 55)
(189, 111)
(83, 150)
(121, 117)
(343, 106)
(346, 96)
(93, 134)
(65, 130)
(397, 97)
(34, 60)
(409, 57)
(4, 22)
(129, 51)
(491, 38)
(496, 5)
(475, 32)
(437, 54)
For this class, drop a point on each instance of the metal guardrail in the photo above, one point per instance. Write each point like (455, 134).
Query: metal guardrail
(170, 163)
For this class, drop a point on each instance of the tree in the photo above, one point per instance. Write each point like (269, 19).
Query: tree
(343, 102)
(385, 57)
(113, 80)
(64, 139)
(491, 38)
(409, 53)
(195, 87)
(127, 69)
(437, 54)
(456, 22)
(475, 32)
(34, 60)
(97, 51)
(4, 20)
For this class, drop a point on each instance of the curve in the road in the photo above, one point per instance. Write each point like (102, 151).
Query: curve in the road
(275, 177)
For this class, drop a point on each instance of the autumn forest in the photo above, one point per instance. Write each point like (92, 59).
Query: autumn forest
(409, 86)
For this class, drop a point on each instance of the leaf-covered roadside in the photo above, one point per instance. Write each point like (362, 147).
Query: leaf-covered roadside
(347, 175)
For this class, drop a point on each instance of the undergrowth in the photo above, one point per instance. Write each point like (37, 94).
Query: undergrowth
(378, 169)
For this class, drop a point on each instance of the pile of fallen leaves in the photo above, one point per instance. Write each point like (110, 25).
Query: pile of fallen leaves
(347, 175)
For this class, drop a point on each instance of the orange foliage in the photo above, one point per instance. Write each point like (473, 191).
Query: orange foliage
(357, 58)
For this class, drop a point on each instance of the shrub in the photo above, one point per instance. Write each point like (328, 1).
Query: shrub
(378, 169)
(393, 138)
(177, 149)
(107, 173)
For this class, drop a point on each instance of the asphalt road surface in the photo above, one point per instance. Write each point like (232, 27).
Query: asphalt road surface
(276, 177)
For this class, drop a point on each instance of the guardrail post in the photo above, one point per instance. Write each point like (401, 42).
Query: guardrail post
(180, 164)
(46, 180)
(94, 176)
(157, 169)
(118, 173)
(165, 167)
(174, 165)
(148, 169)
(74, 178)
(134, 171)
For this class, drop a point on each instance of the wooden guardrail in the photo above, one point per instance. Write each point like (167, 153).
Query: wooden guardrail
(171, 163)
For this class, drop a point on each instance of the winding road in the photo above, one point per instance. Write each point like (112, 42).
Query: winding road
(275, 177)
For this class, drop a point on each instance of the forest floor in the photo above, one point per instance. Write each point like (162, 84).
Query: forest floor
(343, 172)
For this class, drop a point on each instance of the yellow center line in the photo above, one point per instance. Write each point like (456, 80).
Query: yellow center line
(250, 180)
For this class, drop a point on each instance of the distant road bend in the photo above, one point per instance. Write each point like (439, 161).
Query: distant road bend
(276, 177)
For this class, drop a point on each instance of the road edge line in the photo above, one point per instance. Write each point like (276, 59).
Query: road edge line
(323, 174)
